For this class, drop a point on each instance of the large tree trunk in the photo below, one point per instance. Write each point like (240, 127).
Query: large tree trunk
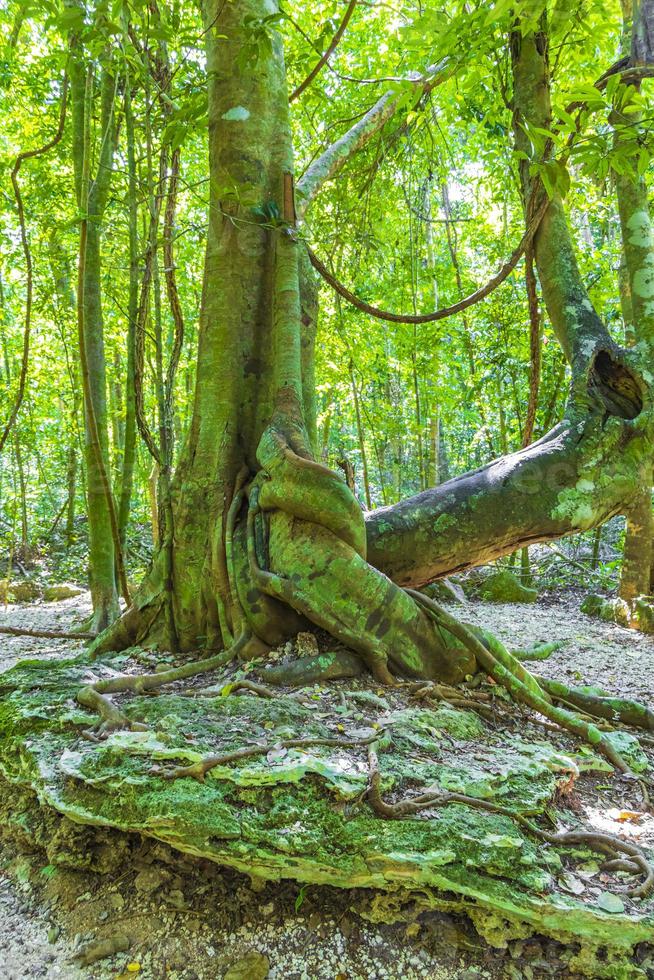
(266, 539)
(637, 288)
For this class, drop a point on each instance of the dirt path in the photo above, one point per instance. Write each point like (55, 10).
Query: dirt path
(45, 914)
(65, 615)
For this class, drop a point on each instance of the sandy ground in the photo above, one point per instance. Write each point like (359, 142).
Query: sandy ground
(43, 921)
(593, 652)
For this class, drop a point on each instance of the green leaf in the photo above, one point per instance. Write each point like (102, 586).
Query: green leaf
(300, 898)
(610, 903)
(498, 10)
(643, 162)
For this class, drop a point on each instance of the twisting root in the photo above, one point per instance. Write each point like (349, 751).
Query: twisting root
(622, 710)
(198, 770)
(93, 695)
(223, 591)
(437, 797)
(112, 719)
(261, 691)
(282, 588)
(621, 864)
(523, 686)
(238, 617)
(479, 703)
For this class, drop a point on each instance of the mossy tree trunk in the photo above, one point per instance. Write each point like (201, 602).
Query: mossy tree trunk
(129, 444)
(92, 194)
(267, 540)
(637, 295)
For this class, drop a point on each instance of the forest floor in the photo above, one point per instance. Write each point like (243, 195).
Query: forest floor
(195, 921)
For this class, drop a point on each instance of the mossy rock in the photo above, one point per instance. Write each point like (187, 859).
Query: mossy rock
(503, 586)
(445, 590)
(592, 605)
(60, 591)
(637, 614)
(301, 813)
(628, 746)
(643, 614)
(20, 590)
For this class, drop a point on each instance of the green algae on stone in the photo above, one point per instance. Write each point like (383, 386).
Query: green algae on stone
(302, 814)
(629, 748)
(503, 586)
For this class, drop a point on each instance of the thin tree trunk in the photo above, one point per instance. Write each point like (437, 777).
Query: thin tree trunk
(534, 380)
(597, 543)
(360, 437)
(71, 484)
(66, 313)
(22, 486)
(433, 478)
(92, 198)
(129, 449)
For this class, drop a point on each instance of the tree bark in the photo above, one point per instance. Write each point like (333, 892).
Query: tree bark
(637, 289)
(129, 445)
(92, 198)
(266, 539)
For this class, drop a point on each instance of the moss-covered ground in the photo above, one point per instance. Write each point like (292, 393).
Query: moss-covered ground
(302, 813)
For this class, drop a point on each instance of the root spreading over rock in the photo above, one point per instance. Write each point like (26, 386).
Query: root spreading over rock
(434, 805)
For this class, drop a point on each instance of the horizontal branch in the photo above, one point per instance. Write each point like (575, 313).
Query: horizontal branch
(46, 634)
(546, 491)
(328, 164)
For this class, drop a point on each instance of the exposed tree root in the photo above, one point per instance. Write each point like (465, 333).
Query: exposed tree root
(198, 770)
(540, 651)
(47, 634)
(244, 687)
(436, 797)
(452, 696)
(285, 590)
(235, 609)
(112, 718)
(622, 710)
(94, 695)
(333, 665)
(521, 685)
